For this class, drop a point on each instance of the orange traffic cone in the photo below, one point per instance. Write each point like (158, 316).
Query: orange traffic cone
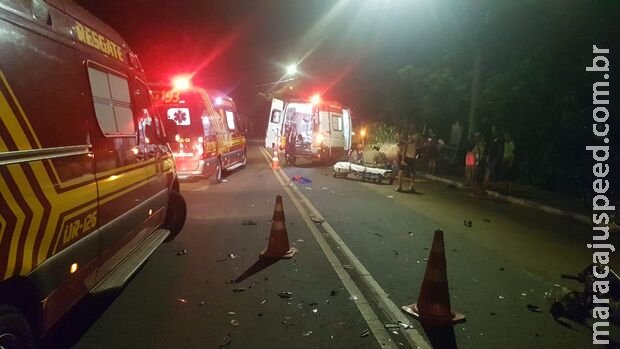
(433, 306)
(278, 246)
(275, 161)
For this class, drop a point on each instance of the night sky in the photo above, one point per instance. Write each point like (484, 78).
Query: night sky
(346, 49)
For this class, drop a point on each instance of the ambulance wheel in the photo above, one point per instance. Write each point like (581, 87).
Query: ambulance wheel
(244, 159)
(217, 176)
(176, 214)
(15, 331)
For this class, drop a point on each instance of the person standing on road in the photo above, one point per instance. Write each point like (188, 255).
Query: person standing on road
(407, 151)
(479, 152)
(402, 165)
(508, 161)
(493, 158)
(290, 148)
(411, 153)
(431, 148)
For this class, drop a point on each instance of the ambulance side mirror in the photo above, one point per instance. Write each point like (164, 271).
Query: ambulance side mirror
(172, 130)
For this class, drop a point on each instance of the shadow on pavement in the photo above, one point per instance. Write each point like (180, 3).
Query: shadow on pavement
(260, 264)
(78, 320)
(441, 337)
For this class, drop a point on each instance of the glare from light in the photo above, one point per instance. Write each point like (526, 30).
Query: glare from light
(363, 132)
(181, 83)
(316, 99)
(291, 69)
(218, 100)
(319, 138)
(74, 268)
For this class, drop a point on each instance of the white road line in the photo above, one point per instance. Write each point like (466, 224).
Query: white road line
(415, 338)
(374, 323)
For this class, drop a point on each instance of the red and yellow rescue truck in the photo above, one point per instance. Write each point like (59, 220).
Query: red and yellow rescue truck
(88, 187)
(208, 139)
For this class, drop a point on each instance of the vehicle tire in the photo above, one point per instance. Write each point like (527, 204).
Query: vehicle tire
(391, 181)
(244, 159)
(15, 331)
(334, 174)
(176, 214)
(217, 176)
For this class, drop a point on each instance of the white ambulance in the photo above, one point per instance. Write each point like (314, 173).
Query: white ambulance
(323, 128)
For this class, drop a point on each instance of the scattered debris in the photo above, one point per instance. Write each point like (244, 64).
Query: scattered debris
(346, 266)
(316, 219)
(181, 252)
(260, 314)
(313, 304)
(285, 295)
(239, 289)
(391, 327)
(233, 256)
(333, 292)
(365, 333)
(467, 223)
(300, 240)
(224, 180)
(534, 308)
(492, 314)
(301, 180)
(307, 333)
(353, 297)
(226, 341)
(486, 220)
(410, 233)
(234, 322)
(395, 252)
(201, 303)
(378, 234)
(232, 313)
(405, 326)
(523, 294)
(263, 301)
(500, 297)
(501, 269)
(248, 222)
(181, 300)
(315, 311)
(390, 197)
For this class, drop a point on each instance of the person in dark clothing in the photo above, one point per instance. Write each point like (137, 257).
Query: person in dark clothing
(493, 157)
(431, 148)
(290, 147)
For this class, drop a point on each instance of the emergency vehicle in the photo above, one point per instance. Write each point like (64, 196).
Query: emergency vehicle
(88, 188)
(323, 128)
(208, 139)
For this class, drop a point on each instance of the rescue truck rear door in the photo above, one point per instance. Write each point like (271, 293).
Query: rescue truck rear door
(336, 126)
(274, 127)
(347, 128)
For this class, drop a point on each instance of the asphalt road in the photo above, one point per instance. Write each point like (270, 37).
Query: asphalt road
(352, 272)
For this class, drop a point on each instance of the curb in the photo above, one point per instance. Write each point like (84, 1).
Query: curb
(578, 217)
